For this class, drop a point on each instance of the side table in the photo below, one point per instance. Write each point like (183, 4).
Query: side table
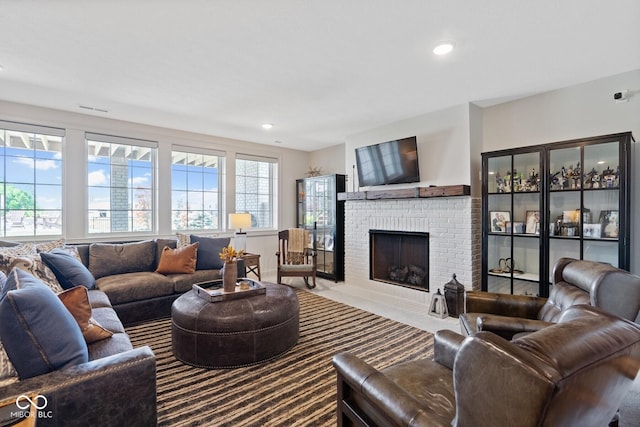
(252, 264)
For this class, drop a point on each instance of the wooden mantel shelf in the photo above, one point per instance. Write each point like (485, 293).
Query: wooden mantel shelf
(408, 193)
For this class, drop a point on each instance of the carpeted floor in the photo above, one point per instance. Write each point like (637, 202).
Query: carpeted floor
(296, 389)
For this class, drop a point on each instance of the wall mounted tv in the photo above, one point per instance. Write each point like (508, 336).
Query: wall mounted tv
(391, 162)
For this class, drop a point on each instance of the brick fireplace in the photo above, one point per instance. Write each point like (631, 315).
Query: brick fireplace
(453, 226)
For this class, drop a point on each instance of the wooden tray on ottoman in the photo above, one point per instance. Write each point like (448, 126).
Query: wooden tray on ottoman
(212, 291)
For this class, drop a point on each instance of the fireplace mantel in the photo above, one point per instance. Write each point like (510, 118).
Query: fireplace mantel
(408, 193)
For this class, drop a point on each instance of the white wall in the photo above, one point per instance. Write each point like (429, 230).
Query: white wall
(329, 159)
(292, 165)
(444, 151)
(575, 112)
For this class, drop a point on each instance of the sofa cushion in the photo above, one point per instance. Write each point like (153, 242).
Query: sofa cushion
(184, 282)
(98, 299)
(69, 271)
(38, 332)
(183, 240)
(209, 251)
(106, 259)
(123, 288)
(180, 260)
(108, 319)
(117, 344)
(77, 302)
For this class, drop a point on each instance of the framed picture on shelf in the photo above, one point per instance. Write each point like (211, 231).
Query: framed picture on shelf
(518, 227)
(609, 224)
(533, 222)
(499, 221)
(591, 230)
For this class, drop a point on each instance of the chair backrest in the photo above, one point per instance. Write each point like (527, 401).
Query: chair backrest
(289, 254)
(575, 372)
(598, 284)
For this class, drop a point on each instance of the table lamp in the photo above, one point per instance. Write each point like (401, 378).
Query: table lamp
(240, 221)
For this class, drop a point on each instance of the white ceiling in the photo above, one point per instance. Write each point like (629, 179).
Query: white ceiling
(318, 70)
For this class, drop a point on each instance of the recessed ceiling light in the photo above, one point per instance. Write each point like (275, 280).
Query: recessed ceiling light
(443, 48)
(267, 126)
(277, 142)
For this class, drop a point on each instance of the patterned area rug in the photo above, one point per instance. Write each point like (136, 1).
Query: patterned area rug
(298, 388)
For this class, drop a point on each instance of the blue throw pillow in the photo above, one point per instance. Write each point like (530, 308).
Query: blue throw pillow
(69, 271)
(38, 333)
(209, 251)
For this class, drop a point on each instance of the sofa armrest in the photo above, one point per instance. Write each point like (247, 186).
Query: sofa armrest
(513, 325)
(445, 347)
(503, 304)
(365, 393)
(115, 390)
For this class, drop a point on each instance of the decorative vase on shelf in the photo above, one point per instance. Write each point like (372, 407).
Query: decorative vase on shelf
(229, 276)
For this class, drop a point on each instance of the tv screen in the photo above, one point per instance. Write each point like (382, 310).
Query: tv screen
(392, 162)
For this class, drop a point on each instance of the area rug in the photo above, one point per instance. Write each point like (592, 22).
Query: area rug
(298, 388)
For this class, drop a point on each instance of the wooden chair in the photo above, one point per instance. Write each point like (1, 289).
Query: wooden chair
(298, 262)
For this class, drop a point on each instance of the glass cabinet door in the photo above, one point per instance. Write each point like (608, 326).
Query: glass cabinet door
(601, 217)
(565, 183)
(514, 219)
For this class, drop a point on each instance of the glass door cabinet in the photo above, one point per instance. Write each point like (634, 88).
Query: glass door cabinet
(542, 203)
(320, 212)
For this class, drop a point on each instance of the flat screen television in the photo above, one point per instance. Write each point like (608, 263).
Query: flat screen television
(391, 162)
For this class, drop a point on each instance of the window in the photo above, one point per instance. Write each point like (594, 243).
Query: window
(31, 180)
(256, 189)
(121, 184)
(195, 190)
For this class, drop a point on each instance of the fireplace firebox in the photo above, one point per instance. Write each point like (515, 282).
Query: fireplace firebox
(399, 258)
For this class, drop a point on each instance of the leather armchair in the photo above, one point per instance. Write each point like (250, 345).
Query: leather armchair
(574, 372)
(573, 282)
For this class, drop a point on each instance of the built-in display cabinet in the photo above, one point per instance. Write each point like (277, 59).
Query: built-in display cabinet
(320, 212)
(545, 202)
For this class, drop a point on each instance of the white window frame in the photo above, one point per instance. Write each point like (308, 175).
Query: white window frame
(221, 187)
(272, 185)
(132, 142)
(33, 220)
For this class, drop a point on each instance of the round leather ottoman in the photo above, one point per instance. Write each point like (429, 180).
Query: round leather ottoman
(235, 333)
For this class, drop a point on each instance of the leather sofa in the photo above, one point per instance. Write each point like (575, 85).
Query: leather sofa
(127, 291)
(116, 387)
(573, 282)
(139, 294)
(575, 372)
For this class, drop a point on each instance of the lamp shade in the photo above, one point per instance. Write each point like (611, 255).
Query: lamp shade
(239, 220)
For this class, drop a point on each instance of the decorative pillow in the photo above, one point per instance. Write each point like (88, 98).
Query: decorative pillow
(8, 253)
(49, 246)
(34, 265)
(183, 240)
(8, 373)
(77, 302)
(38, 332)
(68, 270)
(106, 259)
(209, 251)
(179, 260)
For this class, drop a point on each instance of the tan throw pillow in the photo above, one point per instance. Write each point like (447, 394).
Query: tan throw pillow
(77, 302)
(179, 260)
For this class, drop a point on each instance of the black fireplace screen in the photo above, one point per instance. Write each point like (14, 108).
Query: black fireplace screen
(400, 258)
